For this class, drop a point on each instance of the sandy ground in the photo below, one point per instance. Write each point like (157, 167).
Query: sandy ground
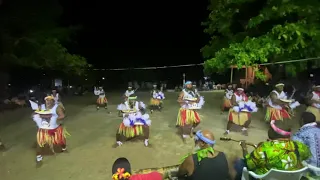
(93, 134)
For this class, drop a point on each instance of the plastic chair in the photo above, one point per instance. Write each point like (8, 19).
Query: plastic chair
(314, 169)
(275, 174)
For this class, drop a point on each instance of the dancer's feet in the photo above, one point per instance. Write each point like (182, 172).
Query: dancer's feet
(244, 131)
(39, 161)
(226, 132)
(64, 150)
(119, 143)
(98, 108)
(146, 142)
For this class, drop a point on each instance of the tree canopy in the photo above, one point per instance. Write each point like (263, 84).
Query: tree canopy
(250, 32)
(31, 36)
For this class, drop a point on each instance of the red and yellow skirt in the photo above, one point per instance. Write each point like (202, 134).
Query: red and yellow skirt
(226, 103)
(155, 102)
(187, 117)
(315, 111)
(52, 137)
(102, 101)
(130, 132)
(276, 114)
(238, 118)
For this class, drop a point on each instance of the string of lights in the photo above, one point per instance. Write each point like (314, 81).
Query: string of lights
(201, 64)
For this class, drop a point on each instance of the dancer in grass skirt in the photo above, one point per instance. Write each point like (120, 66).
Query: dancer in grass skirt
(156, 100)
(279, 104)
(102, 100)
(240, 113)
(134, 123)
(50, 131)
(188, 116)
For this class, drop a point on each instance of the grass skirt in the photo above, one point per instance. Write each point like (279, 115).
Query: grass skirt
(102, 101)
(238, 118)
(226, 103)
(52, 137)
(155, 102)
(315, 111)
(187, 117)
(276, 114)
(130, 132)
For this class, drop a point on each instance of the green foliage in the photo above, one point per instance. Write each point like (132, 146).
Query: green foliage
(279, 31)
(30, 36)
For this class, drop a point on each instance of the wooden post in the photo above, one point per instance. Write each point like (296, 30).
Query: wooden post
(246, 77)
(231, 75)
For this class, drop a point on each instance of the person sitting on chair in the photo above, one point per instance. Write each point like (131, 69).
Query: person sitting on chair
(205, 162)
(121, 170)
(309, 134)
(279, 152)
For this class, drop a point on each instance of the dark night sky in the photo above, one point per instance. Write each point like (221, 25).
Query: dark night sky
(138, 33)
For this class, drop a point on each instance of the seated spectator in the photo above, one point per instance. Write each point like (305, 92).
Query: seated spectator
(279, 152)
(121, 170)
(205, 163)
(309, 134)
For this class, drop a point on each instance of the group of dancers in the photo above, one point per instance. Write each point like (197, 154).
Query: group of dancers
(136, 122)
(278, 106)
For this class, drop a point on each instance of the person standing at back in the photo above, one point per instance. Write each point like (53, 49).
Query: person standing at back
(205, 163)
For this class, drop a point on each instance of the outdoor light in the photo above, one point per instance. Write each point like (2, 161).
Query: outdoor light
(70, 86)
(9, 84)
(103, 78)
(311, 75)
(31, 91)
(86, 79)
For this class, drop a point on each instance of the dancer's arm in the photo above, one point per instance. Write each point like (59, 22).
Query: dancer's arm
(312, 99)
(234, 101)
(275, 100)
(60, 113)
(186, 168)
(180, 98)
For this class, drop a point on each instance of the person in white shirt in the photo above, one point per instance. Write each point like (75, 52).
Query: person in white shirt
(128, 93)
(188, 116)
(157, 97)
(279, 104)
(102, 100)
(134, 123)
(50, 131)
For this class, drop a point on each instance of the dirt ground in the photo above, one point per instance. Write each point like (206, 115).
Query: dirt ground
(93, 134)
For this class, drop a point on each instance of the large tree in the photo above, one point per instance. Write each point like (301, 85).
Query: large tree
(31, 36)
(250, 32)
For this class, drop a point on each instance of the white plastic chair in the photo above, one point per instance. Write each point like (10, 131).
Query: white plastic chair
(275, 174)
(314, 169)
